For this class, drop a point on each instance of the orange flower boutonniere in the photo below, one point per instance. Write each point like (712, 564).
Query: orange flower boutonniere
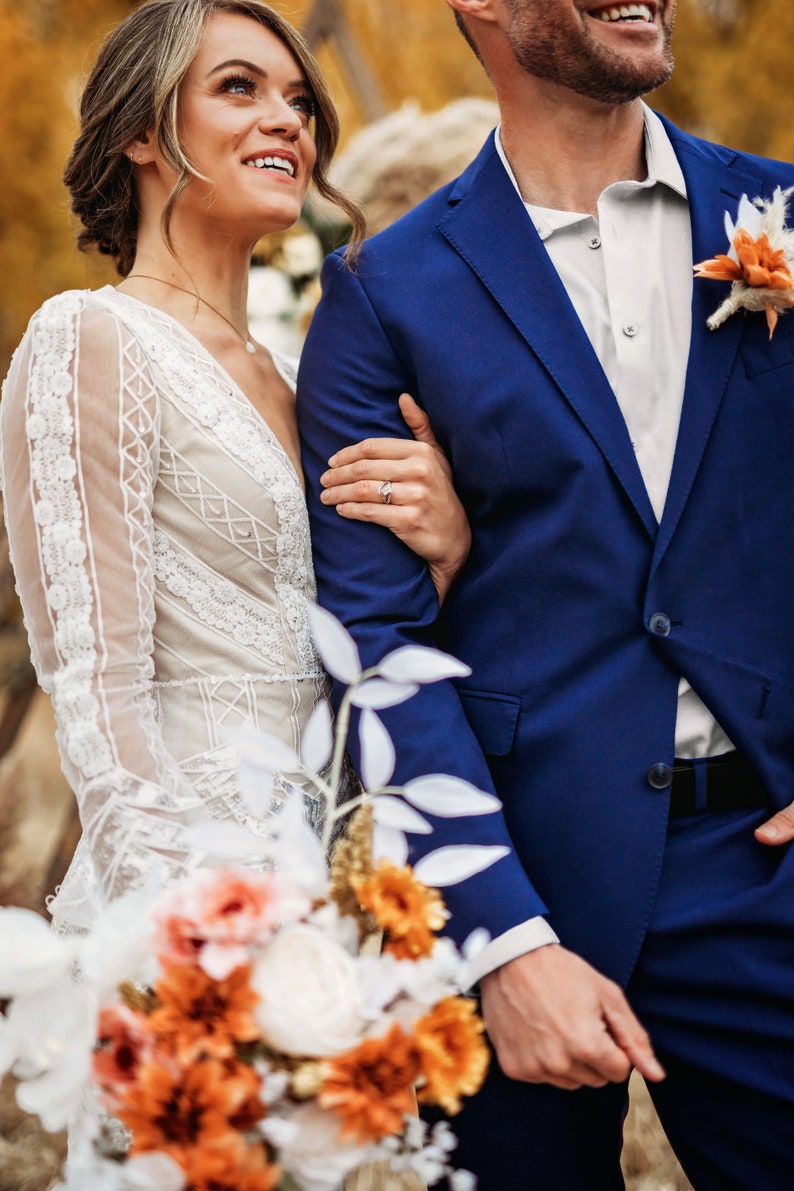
(759, 262)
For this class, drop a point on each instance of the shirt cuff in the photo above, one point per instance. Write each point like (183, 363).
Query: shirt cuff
(527, 936)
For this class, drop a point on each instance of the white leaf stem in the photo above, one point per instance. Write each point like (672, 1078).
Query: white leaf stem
(318, 738)
(376, 693)
(419, 663)
(389, 844)
(393, 812)
(457, 862)
(335, 646)
(377, 751)
(449, 797)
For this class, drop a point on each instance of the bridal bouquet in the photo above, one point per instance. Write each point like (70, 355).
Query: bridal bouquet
(229, 1033)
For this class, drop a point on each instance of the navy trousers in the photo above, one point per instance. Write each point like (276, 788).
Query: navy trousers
(715, 987)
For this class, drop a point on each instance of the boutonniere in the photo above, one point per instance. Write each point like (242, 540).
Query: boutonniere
(759, 261)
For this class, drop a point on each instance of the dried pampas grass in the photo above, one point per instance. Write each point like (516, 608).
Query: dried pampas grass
(393, 164)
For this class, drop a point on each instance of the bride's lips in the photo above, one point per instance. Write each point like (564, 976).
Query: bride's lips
(273, 161)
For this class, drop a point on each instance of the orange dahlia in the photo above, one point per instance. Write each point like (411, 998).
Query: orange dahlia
(452, 1053)
(403, 907)
(759, 266)
(229, 1165)
(371, 1087)
(201, 1016)
(172, 1110)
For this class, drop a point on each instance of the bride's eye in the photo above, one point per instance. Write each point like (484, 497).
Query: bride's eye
(304, 103)
(238, 84)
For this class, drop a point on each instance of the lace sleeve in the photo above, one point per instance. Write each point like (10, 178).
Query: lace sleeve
(80, 449)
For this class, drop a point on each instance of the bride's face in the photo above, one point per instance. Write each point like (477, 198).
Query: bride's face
(245, 114)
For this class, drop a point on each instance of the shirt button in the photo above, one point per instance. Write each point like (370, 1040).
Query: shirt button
(659, 776)
(630, 329)
(594, 242)
(660, 624)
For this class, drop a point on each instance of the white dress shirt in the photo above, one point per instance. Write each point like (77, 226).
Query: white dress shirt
(628, 273)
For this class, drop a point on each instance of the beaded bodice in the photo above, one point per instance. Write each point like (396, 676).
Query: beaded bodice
(161, 548)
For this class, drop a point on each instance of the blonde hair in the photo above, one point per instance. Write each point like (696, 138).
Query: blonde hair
(134, 87)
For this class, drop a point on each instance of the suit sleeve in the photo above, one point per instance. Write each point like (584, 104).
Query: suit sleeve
(349, 381)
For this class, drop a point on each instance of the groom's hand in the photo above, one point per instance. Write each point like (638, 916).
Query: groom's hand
(779, 829)
(552, 1018)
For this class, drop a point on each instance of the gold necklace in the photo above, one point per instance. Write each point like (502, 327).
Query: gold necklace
(248, 343)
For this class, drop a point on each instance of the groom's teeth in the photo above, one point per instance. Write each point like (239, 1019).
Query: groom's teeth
(627, 12)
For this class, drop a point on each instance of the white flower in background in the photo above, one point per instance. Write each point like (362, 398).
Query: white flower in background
(47, 1032)
(85, 1170)
(311, 1149)
(310, 999)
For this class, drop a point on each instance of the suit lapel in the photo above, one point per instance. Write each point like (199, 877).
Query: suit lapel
(489, 227)
(712, 189)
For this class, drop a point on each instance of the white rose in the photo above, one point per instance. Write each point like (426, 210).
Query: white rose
(312, 1150)
(310, 1003)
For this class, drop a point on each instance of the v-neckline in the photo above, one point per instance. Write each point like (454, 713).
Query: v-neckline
(223, 374)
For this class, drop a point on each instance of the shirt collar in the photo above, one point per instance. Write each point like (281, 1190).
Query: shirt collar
(660, 159)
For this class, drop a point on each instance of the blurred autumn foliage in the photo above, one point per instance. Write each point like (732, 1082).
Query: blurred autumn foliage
(732, 83)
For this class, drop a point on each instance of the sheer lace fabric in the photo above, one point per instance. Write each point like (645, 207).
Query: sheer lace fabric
(161, 548)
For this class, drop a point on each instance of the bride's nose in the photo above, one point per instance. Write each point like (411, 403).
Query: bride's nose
(281, 118)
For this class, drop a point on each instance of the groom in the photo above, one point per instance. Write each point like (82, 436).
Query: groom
(626, 607)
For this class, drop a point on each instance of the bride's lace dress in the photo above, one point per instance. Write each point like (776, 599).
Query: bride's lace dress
(161, 548)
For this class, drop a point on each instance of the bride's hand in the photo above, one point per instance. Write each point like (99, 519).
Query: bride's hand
(423, 508)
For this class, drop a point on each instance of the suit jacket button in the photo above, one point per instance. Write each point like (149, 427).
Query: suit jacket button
(660, 624)
(660, 776)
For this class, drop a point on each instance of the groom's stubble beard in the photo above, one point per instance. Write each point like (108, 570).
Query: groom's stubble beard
(567, 54)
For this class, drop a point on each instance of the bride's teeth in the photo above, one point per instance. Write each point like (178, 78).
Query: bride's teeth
(278, 163)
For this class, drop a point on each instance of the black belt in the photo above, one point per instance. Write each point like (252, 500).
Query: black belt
(726, 783)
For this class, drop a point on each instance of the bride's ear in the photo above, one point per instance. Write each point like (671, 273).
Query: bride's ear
(141, 150)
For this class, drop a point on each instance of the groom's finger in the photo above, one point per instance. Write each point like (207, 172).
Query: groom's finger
(630, 1036)
(779, 829)
(417, 421)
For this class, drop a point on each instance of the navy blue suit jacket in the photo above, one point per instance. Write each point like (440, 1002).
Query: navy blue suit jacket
(572, 697)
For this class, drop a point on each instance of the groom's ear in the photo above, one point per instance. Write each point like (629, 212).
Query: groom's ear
(483, 10)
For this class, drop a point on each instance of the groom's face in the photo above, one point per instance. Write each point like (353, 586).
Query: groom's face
(590, 48)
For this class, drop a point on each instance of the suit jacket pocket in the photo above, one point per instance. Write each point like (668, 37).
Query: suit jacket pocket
(761, 354)
(493, 719)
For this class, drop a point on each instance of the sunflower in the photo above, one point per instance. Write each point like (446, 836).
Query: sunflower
(403, 907)
(452, 1053)
(201, 1016)
(371, 1087)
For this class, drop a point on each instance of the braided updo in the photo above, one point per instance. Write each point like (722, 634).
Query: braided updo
(133, 92)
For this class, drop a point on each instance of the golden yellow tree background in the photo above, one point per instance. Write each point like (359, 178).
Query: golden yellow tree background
(732, 83)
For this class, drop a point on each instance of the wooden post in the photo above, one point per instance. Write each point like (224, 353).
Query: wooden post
(327, 22)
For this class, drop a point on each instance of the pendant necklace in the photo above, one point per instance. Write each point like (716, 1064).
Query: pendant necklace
(248, 343)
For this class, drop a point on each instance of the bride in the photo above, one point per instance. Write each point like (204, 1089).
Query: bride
(153, 485)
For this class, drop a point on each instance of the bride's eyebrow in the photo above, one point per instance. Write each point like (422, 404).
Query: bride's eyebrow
(244, 64)
(240, 62)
